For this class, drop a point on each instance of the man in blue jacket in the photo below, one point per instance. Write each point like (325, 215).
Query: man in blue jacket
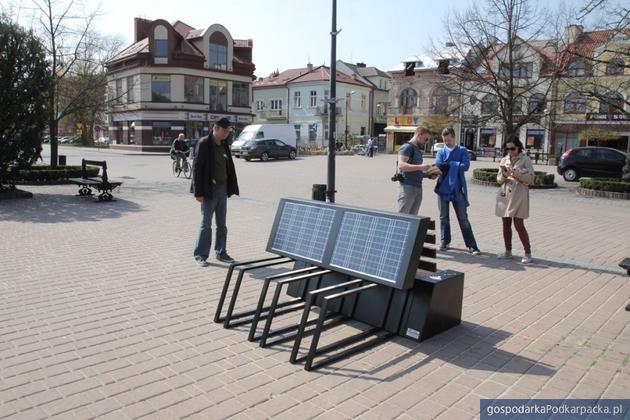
(453, 161)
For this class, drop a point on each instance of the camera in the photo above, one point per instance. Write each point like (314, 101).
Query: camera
(398, 177)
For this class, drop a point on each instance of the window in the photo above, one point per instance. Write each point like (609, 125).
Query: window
(584, 153)
(575, 103)
(615, 67)
(535, 139)
(363, 102)
(517, 106)
(408, 99)
(160, 88)
(489, 104)
(577, 67)
(260, 105)
(313, 96)
(119, 91)
(193, 89)
(297, 99)
(240, 94)
(439, 102)
(611, 103)
(298, 128)
(217, 52)
(519, 70)
(312, 133)
(161, 48)
(488, 137)
(218, 95)
(162, 132)
(130, 89)
(276, 105)
(610, 155)
(536, 104)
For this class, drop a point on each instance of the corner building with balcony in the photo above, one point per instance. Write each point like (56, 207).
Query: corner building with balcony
(177, 79)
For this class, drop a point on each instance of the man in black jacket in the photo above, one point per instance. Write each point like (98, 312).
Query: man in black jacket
(214, 180)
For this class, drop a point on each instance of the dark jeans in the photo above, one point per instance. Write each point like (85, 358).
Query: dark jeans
(520, 229)
(459, 204)
(217, 205)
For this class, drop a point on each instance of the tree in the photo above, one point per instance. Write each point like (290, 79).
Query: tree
(508, 55)
(24, 75)
(76, 61)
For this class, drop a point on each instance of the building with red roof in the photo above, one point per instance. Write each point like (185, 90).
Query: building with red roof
(177, 79)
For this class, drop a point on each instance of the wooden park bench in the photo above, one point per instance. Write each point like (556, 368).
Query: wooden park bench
(100, 183)
(396, 291)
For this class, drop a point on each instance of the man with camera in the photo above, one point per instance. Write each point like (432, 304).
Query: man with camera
(411, 171)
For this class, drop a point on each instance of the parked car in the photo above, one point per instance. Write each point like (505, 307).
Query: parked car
(102, 140)
(265, 149)
(436, 147)
(63, 139)
(602, 162)
(235, 147)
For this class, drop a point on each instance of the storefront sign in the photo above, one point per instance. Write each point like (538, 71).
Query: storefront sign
(607, 117)
(403, 120)
(196, 116)
(217, 117)
(530, 140)
(161, 78)
(244, 118)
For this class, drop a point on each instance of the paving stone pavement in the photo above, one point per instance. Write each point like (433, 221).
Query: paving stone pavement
(104, 315)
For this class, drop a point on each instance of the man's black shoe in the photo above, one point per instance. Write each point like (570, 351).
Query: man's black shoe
(224, 257)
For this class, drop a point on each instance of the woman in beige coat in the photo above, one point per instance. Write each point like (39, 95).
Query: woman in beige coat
(515, 175)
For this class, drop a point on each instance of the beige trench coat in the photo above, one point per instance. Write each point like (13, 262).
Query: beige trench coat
(513, 195)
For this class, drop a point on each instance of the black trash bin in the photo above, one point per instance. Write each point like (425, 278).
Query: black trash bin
(319, 192)
(62, 160)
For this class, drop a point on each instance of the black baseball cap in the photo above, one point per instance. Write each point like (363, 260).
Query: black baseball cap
(224, 122)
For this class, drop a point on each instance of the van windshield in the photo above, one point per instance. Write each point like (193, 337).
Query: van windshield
(247, 135)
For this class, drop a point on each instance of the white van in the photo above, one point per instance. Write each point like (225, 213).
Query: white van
(283, 132)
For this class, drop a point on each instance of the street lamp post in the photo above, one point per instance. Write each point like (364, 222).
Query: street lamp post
(348, 98)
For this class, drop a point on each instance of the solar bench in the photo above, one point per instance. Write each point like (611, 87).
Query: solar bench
(101, 183)
(353, 264)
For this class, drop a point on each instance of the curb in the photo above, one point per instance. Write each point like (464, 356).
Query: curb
(585, 192)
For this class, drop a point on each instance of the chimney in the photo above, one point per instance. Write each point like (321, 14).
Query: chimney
(360, 65)
(572, 33)
(141, 28)
(450, 45)
(309, 67)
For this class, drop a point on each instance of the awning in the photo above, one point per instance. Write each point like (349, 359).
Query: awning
(401, 128)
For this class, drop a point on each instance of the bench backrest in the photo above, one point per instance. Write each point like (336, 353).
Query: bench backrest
(378, 246)
(101, 163)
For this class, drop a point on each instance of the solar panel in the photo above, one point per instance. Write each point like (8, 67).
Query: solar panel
(303, 230)
(373, 245)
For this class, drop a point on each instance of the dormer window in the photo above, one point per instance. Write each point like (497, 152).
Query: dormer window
(577, 67)
(160, 44)
(217, 52)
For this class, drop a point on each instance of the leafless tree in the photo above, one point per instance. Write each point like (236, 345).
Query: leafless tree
(509, 59)
(77, 54)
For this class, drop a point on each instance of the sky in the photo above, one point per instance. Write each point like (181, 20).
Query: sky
(290, 33)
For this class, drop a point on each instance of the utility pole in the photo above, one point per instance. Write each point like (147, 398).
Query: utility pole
(332, 108)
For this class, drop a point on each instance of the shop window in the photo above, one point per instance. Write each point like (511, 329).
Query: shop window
(218, 95)
(488, 137)
(162, 132)
(535, 139)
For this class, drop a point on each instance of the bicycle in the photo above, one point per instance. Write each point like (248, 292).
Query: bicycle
(185, 166)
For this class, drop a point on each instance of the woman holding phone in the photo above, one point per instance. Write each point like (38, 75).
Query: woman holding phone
(515, 175)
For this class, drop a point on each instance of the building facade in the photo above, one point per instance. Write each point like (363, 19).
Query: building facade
(300, 97)
(177, 79)
(421, 94)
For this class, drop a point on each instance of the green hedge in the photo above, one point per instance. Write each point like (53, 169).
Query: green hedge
(45, 173)
(490, 175)
(605, 184)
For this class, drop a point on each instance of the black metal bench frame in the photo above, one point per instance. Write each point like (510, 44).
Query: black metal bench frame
(101, 183)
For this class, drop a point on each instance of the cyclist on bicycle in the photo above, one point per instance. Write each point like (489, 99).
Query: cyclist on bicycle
(179, 150)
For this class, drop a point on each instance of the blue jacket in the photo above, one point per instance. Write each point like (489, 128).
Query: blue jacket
(453, 165)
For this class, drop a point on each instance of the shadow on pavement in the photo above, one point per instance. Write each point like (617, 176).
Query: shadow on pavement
(491, 260)
(62, 208)
(476, 349)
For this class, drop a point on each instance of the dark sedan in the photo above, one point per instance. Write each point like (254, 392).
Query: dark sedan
(265, 149)
(601, 162)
